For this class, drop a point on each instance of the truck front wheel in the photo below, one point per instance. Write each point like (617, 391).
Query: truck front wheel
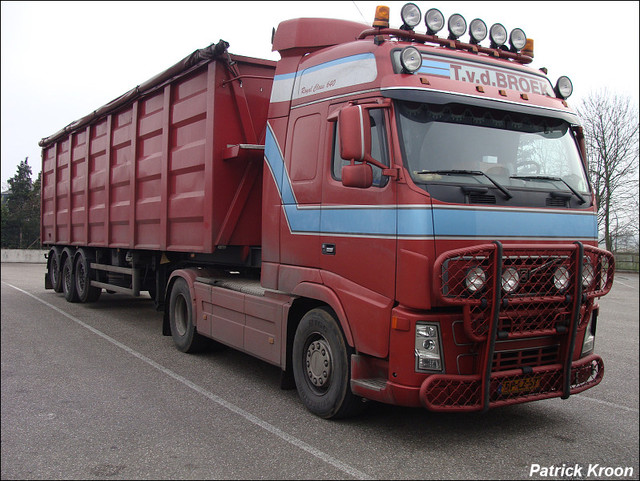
(322, 366)
(183, 330)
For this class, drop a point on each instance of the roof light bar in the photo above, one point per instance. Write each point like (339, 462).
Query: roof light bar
(411, 16)
(477, 31)
(434, 20)
(457, 26)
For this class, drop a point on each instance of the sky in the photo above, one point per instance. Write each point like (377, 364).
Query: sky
(62, 60)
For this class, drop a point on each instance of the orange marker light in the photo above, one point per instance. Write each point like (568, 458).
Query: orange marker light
(382, 17)
(528, 48)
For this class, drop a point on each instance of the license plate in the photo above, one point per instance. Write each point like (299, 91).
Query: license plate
(516, 386)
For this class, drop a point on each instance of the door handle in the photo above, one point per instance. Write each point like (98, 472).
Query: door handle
(329, 249)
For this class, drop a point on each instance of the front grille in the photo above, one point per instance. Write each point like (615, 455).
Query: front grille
(515, 359)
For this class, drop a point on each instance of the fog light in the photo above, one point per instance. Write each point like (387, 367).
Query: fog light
(510, 280)
(475, 279)
(561, 278)
(588, 273)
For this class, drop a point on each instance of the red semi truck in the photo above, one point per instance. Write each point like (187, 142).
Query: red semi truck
(383, 214)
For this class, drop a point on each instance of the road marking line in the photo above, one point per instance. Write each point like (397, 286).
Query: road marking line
(218, 400)
(620, 282)
(607, 403)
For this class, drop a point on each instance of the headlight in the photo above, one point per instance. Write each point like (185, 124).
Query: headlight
(517, 39)
(475, 279)
(561, 278)
(457, 26)
(498, 35)
(564, 87)
(588, 273)
(434, 20)
(589, 337)
(477, 31)
(510, 280)
(427, 347)
(411, 59)
(411, 15)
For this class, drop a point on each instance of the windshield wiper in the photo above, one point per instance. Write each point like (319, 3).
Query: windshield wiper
(556, 179)
(502, 189)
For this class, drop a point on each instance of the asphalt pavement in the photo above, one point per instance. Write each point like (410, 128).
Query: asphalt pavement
(94, 391)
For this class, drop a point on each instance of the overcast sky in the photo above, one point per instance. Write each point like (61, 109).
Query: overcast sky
(62, 60)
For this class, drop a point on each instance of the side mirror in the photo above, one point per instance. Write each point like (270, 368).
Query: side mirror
(355, 133)
(357, 175)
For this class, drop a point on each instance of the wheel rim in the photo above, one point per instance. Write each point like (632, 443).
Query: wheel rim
(318, 363)
(68, 279)
(82, 277)
(180, 315)
(54, 271)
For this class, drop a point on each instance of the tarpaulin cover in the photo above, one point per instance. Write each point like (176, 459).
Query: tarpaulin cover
(200, 56)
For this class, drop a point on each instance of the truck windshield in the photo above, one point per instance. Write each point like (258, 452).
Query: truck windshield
(447, 143)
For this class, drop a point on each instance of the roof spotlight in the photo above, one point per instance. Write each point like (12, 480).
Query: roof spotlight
(457, 26)
(517, 39)
(498, 35)
(434, 20)
(477, 31)
(411, 59)
(564, 87)
(411, 16)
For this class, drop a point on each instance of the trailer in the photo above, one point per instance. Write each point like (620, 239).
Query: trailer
(383, 214)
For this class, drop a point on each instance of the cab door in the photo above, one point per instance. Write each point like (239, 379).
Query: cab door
(358, 233)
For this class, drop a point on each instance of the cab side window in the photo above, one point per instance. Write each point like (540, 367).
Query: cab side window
(379, 150)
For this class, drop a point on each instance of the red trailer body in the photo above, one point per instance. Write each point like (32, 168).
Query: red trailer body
(170, 169)
(382, 214)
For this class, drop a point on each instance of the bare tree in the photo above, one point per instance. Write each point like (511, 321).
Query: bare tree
(610, 124)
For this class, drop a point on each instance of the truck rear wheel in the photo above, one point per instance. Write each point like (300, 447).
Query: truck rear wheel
(69, 281)
(55, 276)
(322, 366)
(86, 292)
(183, 329)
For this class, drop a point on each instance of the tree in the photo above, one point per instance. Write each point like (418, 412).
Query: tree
(21, 212)
(610, 124)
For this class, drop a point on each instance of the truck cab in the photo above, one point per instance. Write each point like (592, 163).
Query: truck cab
(438, 191)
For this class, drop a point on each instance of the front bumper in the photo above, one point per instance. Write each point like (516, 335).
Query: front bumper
(443, 392)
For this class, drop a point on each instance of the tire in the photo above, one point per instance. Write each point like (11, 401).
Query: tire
(69, 281)
(183, 330)
(322, 366)
(54, 272)
(86, 292)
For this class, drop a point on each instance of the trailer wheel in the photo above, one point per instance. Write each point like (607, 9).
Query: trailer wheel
(68, 281)
(86, 292)
(183, 330)
(55, 276)
(322, 366)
